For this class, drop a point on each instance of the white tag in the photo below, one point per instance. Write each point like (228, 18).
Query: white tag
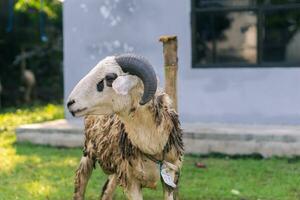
(167, 177)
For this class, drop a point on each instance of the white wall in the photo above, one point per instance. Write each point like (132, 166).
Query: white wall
(94, 29)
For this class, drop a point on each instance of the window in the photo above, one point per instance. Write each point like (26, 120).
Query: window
(245, 33)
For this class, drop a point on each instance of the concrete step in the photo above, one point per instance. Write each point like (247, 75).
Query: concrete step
(267, 140)
(59, 133)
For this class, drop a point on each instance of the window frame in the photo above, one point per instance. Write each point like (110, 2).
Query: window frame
(260, 10)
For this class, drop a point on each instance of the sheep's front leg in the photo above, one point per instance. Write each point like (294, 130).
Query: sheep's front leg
(168, 192)
(134, 191)
(171, 193)
(109, 188)
(83, 173)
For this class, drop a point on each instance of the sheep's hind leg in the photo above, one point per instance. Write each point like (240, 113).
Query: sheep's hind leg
(134, 191)
(83, 173)
(109, 188)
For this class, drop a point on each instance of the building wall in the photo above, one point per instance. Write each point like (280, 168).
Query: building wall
(97, 28)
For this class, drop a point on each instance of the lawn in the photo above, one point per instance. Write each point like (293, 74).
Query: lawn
(38, 172)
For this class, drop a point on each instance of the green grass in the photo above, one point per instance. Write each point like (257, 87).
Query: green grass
(38, 172)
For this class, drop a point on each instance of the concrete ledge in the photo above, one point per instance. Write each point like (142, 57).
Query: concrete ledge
(60, 133)
(267, 140)
(198, 138)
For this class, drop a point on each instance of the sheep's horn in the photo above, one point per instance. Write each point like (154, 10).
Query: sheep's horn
(139, 66)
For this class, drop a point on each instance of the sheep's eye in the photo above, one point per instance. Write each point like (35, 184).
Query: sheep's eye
(110, 79)
(100, 86)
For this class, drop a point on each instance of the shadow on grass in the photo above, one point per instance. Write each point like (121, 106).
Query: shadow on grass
(290, 159)
(47, 173)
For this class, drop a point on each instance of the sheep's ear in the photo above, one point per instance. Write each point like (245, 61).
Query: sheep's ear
(123, 84)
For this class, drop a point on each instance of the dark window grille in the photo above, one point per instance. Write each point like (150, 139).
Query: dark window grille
(245, 33)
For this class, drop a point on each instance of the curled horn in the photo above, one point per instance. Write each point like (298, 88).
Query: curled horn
(140, 67)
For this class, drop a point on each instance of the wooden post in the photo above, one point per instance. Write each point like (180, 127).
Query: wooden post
(170, 66)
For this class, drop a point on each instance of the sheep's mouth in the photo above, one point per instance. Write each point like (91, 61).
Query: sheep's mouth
(78, 112)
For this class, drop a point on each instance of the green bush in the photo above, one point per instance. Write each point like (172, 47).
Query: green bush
(46, 56)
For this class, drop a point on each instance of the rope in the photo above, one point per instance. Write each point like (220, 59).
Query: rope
(43, 35)
(10, 20)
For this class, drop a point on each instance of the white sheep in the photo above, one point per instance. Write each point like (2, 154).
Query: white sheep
(130, 128)
(28, 78)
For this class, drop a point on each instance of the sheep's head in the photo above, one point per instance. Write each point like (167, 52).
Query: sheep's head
(108, 87)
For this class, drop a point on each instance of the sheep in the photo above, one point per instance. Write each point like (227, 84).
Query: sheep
(131, 129)
(28, 78)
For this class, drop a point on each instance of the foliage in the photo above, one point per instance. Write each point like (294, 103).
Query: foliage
(38, 172)
(50, 7)
(35, 29)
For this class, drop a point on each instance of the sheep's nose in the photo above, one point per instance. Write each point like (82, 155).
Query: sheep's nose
(71, 102)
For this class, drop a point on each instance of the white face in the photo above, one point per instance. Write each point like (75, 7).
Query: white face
(104, 90)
